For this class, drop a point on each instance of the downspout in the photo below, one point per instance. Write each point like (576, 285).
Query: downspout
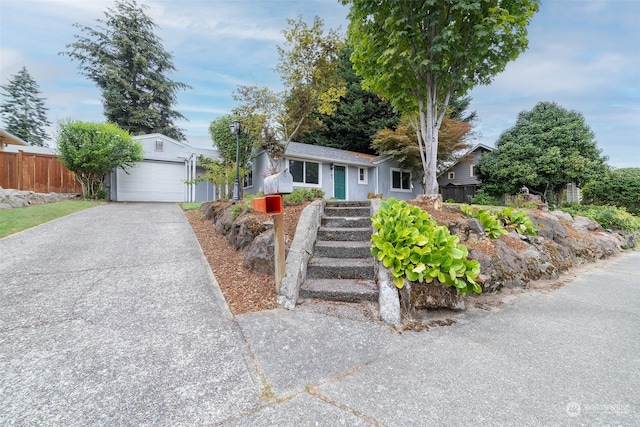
(193, 177)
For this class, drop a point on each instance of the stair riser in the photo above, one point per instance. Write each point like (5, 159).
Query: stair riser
(342, 252)
(339, 296)
(340, 222)
(346, 234)
(347, 212)
(336, 204)
(340, 272)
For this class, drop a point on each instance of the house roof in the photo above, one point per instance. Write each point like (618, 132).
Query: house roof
(7, 138)
(328, 154)
(471, 150)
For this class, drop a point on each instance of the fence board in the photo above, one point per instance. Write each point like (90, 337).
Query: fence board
(42, 173)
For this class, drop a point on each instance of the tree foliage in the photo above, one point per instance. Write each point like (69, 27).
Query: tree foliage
(91, 150)
(619, 187)
(546, 149)
(359, 115)
(402, 144)
(23, 109)
(419, 55)
(226, 142)
(308, 68)
(126, 60)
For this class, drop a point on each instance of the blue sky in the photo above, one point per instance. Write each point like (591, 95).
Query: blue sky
(583, 54)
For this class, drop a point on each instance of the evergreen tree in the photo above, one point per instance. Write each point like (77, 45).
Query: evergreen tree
(23, 110)
(127, 61)
(359, 115)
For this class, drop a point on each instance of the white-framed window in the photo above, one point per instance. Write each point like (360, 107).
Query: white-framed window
(400, 180)
(304, 172)
(451, 175)
(472, 171)
(362, 175)
(247, 180)
(159, 145)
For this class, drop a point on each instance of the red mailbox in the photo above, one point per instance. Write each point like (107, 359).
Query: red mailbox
(271, 204)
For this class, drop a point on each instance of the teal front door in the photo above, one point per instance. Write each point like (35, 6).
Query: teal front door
(339, 183)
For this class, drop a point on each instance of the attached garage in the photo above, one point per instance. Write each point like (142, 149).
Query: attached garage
(151, 181)
(166, 174)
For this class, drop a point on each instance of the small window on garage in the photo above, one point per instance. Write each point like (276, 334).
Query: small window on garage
(159, 145)
(452, 175)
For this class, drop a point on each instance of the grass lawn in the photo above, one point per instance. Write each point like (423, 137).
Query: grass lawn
(190, 206)
(14, 220)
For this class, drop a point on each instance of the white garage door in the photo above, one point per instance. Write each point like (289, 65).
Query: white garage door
(152, 182)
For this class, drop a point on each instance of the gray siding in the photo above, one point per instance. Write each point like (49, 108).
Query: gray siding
(171, 149)
(384, 183)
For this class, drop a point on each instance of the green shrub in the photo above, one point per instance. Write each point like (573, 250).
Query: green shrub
(482, 198)
(301, 195)
(517, 220)
(410, 243)
(522, 202)
(492, 225)
(606, 216)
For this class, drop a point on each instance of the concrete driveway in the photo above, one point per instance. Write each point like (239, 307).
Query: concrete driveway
(111, 317)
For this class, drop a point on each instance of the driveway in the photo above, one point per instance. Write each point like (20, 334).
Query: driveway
(111, 317)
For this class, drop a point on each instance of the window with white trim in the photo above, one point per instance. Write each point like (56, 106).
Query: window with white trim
(451, 175)
(400, 180)
(472, 171)
(362, 175)
(305, 172)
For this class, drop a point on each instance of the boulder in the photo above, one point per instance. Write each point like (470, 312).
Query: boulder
(433, 295)
(259, 256)
(549, 227)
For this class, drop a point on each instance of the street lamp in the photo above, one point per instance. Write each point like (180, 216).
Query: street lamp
(235, 130)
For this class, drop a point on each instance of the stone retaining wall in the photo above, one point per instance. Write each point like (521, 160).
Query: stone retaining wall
(18, 199)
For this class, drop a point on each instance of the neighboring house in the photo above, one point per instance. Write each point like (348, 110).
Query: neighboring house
(341, 174)
(459, 182)
(164, 175)
(7, 139)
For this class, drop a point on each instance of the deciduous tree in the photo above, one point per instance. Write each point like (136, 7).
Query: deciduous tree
(420, 54)
(125, 58)
(91, 150)
(547, 148)
(23, 110)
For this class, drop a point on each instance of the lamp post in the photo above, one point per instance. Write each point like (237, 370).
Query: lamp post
(235, 129)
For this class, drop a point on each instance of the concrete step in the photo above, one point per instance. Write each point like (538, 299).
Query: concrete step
(340, 290)
(345, 222)
(343, 203)
(342, 249)
(340, 268)
(347, 211)
(351, 234)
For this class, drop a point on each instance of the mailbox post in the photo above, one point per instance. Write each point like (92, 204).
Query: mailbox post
(274, 186)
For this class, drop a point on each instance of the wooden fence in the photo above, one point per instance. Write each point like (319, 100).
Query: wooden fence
(42, 173)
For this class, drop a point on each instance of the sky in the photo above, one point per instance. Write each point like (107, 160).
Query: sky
(583, 54)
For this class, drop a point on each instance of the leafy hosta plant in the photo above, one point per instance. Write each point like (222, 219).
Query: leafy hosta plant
(410, 243)
(517, 220)
(492, 225)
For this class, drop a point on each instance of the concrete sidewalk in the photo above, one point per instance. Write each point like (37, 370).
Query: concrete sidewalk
(112, 317)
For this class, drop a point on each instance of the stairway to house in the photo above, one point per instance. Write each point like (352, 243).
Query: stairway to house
(342, 268)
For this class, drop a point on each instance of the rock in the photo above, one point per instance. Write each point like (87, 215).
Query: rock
(549, 227)
(244, 230)
(584, 225)
(259, 256)
(562, 216)
(475, 227)
(434, 295)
